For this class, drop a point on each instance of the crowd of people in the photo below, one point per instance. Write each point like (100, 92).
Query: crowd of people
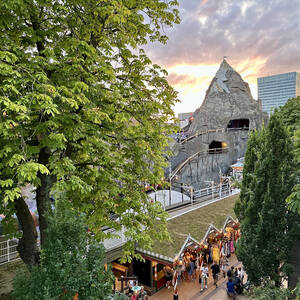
(235, 281)
(136, 292)
(191, 264)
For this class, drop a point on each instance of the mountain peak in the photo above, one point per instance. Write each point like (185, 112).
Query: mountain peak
(225, 65)
(219, 82)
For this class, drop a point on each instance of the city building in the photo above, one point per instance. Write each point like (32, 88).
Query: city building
(275, 90)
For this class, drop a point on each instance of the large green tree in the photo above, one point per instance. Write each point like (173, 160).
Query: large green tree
(83, 112)
(290, 114)
(72, 262)
(267, 228)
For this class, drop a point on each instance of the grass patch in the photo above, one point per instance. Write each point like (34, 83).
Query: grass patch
(7, 274)
(196, 224)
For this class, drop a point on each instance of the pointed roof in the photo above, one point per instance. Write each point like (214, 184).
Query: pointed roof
(188, 242)
(210, 230)
(228, 220)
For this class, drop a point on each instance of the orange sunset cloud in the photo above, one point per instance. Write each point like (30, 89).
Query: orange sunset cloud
(260, 38)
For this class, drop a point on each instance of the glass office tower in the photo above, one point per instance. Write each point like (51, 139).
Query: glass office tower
(275, 90)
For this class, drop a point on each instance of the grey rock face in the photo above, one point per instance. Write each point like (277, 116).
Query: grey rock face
(228, 100)
(228, 97)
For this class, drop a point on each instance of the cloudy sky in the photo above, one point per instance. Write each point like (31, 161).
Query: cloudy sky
(259, 37)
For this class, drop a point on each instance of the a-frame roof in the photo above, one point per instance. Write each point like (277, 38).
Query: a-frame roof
(187, 243)
(210, 230)
(228, 220)
(194, 223)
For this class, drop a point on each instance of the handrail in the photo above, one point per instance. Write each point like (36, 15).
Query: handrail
(209, 151)
(198, 133)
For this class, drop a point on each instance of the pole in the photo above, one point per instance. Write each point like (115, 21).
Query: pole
(122, 286)
(181, 192)
(8, 258)
(170, 191)
(212, 190)
(155, 276)
(220, 191)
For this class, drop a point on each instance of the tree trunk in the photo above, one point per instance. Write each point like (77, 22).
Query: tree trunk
(27, 246)
(43, 193)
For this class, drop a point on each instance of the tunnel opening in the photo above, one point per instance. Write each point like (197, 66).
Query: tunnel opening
(238, 124)
(216, 147)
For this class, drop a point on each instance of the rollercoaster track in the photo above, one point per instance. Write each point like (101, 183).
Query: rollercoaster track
(197, 155)
(199, 133)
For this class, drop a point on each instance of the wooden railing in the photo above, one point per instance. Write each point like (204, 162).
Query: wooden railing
(197, 155)
(199, 133)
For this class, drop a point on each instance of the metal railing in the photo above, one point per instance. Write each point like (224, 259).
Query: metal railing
(218, 190)
(178, 199)
(8, 251)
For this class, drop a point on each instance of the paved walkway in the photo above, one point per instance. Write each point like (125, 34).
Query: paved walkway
(191, 290)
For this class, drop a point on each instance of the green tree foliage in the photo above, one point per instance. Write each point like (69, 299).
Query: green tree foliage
(269, 293)
(84, 112)
(247, 196)
(290, 114)
(296, 291)
(71, 262)
(267, 228)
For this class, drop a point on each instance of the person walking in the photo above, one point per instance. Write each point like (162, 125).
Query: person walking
(190, 269)
(168, 274)
(203, 276)
(223, 265)
(142, 294)
(230, 272)
(215, 270)
(241, 274)
(230, 289)
(194, 260)
(175, 281)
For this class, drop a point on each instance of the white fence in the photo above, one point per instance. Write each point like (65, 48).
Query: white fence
(172, 199)
(169, 198)
(8, 251)
(218, 190)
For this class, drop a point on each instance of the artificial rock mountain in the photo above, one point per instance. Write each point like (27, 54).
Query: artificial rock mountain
(229, 107)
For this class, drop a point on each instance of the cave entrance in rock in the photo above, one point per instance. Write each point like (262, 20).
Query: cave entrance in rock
(238, 124)
(216, 147)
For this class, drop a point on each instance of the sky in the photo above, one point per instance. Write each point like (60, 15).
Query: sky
(259, 38)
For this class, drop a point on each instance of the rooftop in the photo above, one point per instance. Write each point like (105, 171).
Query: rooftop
(196, 224)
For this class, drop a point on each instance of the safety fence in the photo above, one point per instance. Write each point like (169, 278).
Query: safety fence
(8, 251)
(216, 190)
